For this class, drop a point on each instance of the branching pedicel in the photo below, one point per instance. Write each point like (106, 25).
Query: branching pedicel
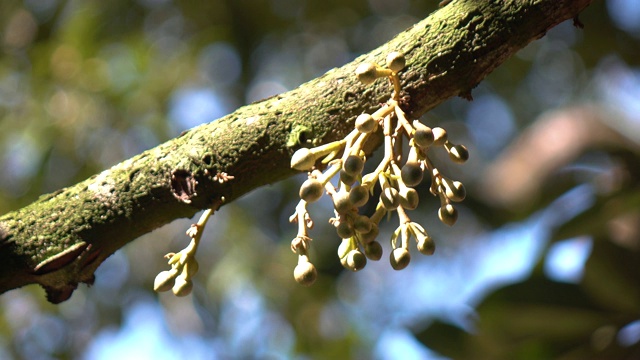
(358, 232)
(183, 264)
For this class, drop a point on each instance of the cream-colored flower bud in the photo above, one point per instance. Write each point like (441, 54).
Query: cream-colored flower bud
(423, 136)
(426, 245)
(409, 198)
(356, 260)
(390, 198)
(371, 235)
(365, 123)
(191, 267)
(439, 136)
(411, 173)
(182, 287)
(396, 61)
(305, 273)
(458, 153)
(303, 159)
(454, 190)
(359, 195)
(368, 73)
(399, 258)
(311, 190)
(373, 250)
(448, 214)
(164, 281)
(341, 202)
(362, 224)
(345, 229)
(353, 165)
(347, 178)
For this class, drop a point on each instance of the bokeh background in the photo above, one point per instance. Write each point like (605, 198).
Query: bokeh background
(544, 261)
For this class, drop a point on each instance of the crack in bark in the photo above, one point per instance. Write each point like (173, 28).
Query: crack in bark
(183, 185)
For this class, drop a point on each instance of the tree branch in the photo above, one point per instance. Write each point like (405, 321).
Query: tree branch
(59, 240)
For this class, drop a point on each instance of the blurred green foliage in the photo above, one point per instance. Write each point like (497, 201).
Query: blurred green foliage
(87, 84)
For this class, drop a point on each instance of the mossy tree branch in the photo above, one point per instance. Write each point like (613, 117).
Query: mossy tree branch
(59, 240)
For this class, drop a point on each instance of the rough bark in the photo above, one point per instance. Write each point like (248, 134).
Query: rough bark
(59, 240)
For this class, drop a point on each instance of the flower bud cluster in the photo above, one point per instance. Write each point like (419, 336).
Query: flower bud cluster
(183, 264)
(397, 175)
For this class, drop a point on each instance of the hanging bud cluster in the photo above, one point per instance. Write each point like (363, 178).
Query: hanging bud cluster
(396, 175)
(183, 264)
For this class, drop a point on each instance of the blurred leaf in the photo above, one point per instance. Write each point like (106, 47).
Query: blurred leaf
(446, 339)
(594, 221)
(612, 278)
(537, 318)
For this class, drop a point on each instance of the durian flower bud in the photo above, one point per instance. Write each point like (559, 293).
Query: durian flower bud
(344, 229)
(458, 153)
(409, 198)
(353, 165)
(373, 250)
(305, 273)
(362, 224)
(399, 258)
(448, 214)
(411, 173)
(423, 136)
(439, 136)
(341, 202)
(365, 123)
(426, 245)
(396, 61)
(454, 190)
(311, 190)
(368, 73)
(355, 260)
(164, 281)
(191, 267)
(303, 159)
(347, 178)
(390, 198)
(182, 287)
(358, 195)
(371, 235)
